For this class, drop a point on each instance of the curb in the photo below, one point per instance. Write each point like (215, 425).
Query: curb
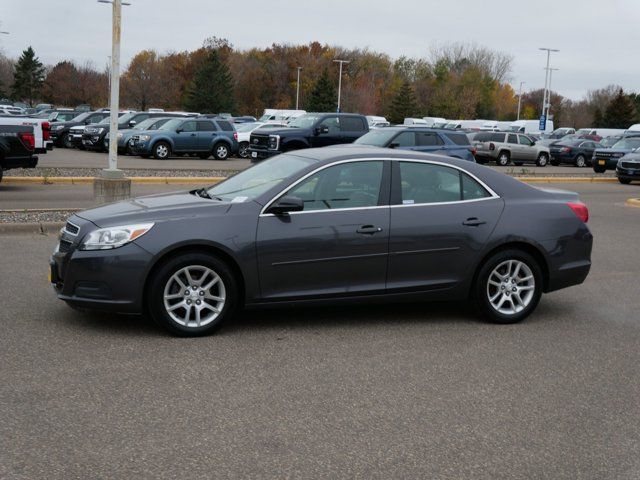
(213, 180)
(37, 228)
(633, 202)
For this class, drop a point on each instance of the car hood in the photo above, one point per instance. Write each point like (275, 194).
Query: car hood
(281, 131)
(612, 150)
(153, 208)
(632, 157)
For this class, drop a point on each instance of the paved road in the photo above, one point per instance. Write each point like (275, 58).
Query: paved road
(71, 158)
(391, 391)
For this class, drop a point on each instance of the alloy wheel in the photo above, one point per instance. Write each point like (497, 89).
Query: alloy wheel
(221, 152)
(194, 296)
(162, 151)
(511, 287)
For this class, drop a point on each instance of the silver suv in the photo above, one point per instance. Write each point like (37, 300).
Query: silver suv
(505, 147)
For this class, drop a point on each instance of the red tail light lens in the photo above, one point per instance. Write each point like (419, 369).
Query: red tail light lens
(28, 139)
(474, 150)
(235, 136)
(492, 146)
(580, 209)
(46, 131)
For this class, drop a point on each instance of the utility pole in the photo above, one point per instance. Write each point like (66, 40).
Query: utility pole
(298, 88)
(519, 99)
(341, 62)
(112, 185)
(551, 70)
(546, 78)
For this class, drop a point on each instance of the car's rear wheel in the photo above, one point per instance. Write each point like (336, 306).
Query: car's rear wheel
(192, 294)
(162, 150)
(508, 287)
(624, 181)
(243, 150)
(66, 141)
(581, 161)
(503, 159)
(221, 151)
(542, 160)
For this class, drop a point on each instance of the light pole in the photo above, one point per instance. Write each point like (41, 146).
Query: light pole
(113, 185)
(519, 99)
(298, 88)
(546, 77)
(551, 70)
(341, 62)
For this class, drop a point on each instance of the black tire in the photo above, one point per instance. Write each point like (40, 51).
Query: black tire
(503, 159)
(581, 161)
(221, 151)
(481, 290)
(162, 151)
(624, 181)
(204, 156)
(555, 163)
(1, 173)
(65, 141)
(163, 275)
(599, 169)
(542, 160)
(243, 150)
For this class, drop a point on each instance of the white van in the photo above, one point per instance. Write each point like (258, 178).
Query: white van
(415, 121)
(613, 132)
(273, 115)
(530, 126)
(377, 122)
(431, 121)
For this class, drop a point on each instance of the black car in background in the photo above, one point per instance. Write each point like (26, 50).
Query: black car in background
(576, 151)
(61, 131)
(308, 131)
(628, 168)
(607, 158)
(327, 225)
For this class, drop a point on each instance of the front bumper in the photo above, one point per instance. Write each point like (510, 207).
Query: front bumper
(75, 139)
(261, 154)
(107, 280)
(628, 173)
(140, 148)
(606, 163)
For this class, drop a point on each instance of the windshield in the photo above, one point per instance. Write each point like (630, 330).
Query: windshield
(254, 181)
(628, 143)
(247, 127)
(81, 117)
(377, 138)
(147, 124)
(305, 121)
(607, 142)
(171, 124)
(126, 117)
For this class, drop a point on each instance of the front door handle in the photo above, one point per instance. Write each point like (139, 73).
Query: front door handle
(473, 222)
(368, 230)
(193, 134)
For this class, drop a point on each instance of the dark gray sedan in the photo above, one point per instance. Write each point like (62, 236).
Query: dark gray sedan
(338, 224)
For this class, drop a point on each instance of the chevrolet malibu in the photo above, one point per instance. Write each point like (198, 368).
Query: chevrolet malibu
(340, 224)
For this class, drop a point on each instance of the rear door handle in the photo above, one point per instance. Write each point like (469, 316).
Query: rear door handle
(368, 230)
(473, 222)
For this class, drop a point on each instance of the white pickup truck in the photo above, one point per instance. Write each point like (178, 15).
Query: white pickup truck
(41, 130)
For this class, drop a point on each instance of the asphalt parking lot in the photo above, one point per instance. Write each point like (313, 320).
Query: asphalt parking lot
(384, 391)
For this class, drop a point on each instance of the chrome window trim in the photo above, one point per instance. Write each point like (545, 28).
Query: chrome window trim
(379, 159)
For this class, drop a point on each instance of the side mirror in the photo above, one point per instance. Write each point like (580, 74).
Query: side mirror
(179, 130)
(320, 130)
(394, 145)
(286, 204)
(132, 123)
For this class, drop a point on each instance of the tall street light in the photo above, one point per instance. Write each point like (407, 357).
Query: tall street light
(113, 185)
(298, 88)
(551, 70)
(341, 62)
(519, 99)
(546, 77)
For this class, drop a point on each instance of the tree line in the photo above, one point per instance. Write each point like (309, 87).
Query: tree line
(455, 81)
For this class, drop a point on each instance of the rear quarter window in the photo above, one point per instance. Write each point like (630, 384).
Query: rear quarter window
(458, 139)
(225, 126)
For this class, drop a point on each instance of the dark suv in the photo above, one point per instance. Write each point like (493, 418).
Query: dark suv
(93, 136)
(307, 131)
(429, 140)
(607, 158)
(61, 131)
(201, 136)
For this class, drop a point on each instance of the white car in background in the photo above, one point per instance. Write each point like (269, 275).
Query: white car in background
(244, 134)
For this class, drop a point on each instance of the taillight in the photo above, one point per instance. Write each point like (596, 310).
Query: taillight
(474, 150)
(28, 139)
(235, 136)
(492, 146)
(46, 130)
(580, 209)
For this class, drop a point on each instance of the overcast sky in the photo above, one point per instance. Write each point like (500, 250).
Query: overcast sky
(598, 39)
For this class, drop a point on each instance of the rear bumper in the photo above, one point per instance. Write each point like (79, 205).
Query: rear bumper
(9, 163)
(569, 275)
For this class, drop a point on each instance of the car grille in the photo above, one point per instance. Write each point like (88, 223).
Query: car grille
(603, 155)
(65, 246)
(71, 229)
(259, 141)
(631, 165)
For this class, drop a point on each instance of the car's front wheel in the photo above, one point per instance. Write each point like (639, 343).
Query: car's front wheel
(162, 150)
(66, 141)
(508, 287)
(192, 294)
(221, 151)
(243, 150)
(542, 160)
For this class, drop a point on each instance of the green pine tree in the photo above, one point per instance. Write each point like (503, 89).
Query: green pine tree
(403, 104)
(28, 77)
(211, 90)
(597, 118)
(621, 112)
(323, 96)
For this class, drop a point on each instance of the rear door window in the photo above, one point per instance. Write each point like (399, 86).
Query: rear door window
(206, 126)
(512, 138)
(352, 124)
(428, 139)
(458, 139)
(225, 126)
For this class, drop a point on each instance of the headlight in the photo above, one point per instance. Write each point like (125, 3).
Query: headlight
(98, 130)
(274, 140)
(617, 155)
(114, 237)
(144, 138)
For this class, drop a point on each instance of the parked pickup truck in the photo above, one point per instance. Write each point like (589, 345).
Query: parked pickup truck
(17, 144)
(41, 130)
(309, 130)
